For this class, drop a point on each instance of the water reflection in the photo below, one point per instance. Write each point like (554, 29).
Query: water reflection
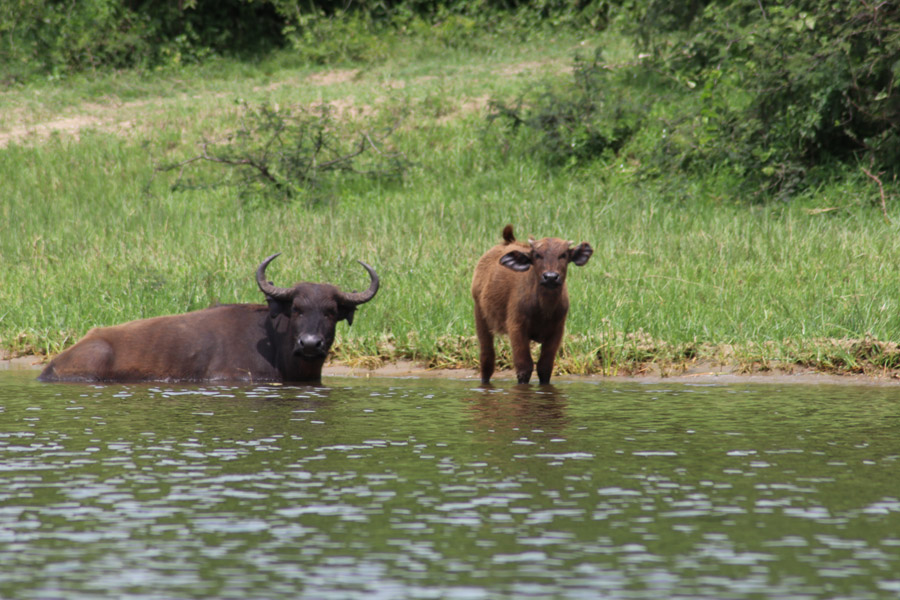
(438, 489)
(520, 408)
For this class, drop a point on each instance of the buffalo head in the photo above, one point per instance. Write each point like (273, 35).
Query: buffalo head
(305, 315)
(549, 258)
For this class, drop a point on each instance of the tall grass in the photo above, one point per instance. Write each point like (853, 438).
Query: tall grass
(90, 235)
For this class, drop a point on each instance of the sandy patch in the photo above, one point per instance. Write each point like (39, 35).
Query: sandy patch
(116, 118)
(470, 106)
(126, 118)
(42, 131)
(21, 362)
(333, 77)
(121, 118)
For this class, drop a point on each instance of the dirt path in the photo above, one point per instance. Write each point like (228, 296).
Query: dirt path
(126, 118)
(114, 117)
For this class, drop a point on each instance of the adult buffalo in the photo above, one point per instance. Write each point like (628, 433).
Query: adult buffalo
(288, 340)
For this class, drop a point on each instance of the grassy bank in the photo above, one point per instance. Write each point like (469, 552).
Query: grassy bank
(91, 234)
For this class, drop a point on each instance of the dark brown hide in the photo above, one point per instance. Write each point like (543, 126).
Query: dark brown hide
(287, 340)
(520, 290)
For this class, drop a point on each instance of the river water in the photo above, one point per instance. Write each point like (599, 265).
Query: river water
(396, 488)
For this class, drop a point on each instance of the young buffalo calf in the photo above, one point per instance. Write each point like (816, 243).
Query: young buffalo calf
(524, 305)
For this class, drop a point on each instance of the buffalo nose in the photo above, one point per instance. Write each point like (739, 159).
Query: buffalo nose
(550, 278)
(310, 345)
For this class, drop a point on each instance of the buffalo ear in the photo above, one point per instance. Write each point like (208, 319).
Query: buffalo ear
(580, 254)
(277, 307)
(515, 260)
(346, 313)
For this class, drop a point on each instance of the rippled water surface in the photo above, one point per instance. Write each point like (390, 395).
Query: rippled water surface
(390, 488)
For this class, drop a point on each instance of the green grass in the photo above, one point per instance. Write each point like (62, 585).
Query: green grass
(682, 271)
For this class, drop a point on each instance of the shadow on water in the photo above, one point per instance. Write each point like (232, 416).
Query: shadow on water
(442, 489)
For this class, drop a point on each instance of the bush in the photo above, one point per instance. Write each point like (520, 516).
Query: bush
(321, 38)
(773, 99)
(283, 154)
(56, 38)
(576, 123)
(783, 91)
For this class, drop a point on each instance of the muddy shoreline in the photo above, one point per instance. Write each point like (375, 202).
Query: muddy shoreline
(700, 373)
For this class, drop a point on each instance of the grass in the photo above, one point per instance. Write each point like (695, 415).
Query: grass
(682, 271)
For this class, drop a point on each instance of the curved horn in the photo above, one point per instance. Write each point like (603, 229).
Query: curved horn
(266, 286)
(355, 298)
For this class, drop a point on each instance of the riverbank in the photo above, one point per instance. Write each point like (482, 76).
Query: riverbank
(693, 372)
(698, 373)
(96, 231)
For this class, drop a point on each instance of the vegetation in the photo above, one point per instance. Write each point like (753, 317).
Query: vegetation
(820, 85)
(722, 232)
(284, 154)
(57, 39)
(778, 100)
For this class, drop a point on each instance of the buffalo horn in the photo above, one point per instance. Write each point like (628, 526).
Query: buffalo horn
(267, 288)
(354, 298)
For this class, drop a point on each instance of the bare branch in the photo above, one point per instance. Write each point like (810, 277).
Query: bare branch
(880, 191)
(292, 151)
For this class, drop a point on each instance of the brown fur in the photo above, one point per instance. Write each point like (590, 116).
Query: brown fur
(287, 340)
(520, 290)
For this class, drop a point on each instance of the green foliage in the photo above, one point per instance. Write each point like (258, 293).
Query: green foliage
(283, 154)
(82, 245)
(55, 38)
(344, 36)
(783, 91)
(647, 19)
(765, 99)
(576, 123)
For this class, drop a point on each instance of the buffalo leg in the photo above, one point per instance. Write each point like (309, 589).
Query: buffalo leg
(486, 343)
(521, 349)
(548, 355)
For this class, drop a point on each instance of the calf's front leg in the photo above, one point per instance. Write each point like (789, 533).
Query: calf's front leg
(548, 354)
(486, 346)
(521, 350)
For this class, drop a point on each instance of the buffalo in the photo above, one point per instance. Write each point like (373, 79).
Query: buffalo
(520, 290)
(286, 340)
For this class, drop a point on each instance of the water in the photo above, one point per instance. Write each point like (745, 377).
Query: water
(390, 488)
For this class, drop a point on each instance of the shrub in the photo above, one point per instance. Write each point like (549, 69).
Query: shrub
(783, 91)
(55, 38)
(575, 123)
(282, 154)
